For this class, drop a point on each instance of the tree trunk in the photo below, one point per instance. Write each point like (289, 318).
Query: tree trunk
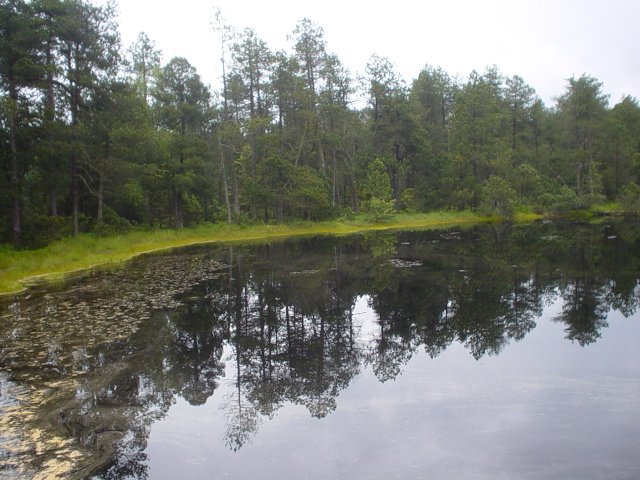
(281, 206)
(321, 161)
(73, 192)
(151, 218)
(234, 187)
(334, 189)
(101, 182)
(223, 174)
(13, 169)
(49, 115)
(100, 199)
(304, 135)
(177, 206)
(354, 192)
(53, 201)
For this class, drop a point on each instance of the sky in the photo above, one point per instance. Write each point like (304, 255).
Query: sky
(543, 41)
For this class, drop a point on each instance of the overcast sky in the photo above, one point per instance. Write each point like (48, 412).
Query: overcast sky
(543, 41)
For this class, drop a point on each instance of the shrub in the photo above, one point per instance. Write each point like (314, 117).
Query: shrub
(497, 196)
(630, 197)
(380, 209)
(40, 230)
(112, 224)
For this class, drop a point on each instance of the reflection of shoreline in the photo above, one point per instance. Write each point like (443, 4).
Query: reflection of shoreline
(239, 238)
(124, 346)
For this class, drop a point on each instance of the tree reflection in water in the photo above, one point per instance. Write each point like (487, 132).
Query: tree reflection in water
(90, 368)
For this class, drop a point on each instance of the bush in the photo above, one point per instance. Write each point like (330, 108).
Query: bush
(563, 199)
(112, 224)
(40, 230)
(462, 198)
(497, 196)
(380, 209)
(409, 202)
(630, 197)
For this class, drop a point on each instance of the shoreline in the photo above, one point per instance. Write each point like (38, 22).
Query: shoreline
(26, 269)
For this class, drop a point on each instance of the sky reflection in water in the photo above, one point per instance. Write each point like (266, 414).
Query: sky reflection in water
(543, 409)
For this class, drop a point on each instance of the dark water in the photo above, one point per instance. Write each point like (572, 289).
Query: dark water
(489, 352)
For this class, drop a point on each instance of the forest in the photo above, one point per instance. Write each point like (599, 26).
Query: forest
(99, 137)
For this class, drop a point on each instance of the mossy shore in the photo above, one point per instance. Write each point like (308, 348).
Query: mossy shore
(18, 268)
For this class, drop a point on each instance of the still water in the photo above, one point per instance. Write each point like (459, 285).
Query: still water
(486, 352)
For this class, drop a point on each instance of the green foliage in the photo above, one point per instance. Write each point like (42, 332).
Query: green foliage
(380, 209)
(377, 192)
(377, 183)
(41, 230)
(410, 201)
(309, 195)
(526, 180)
(561, 199)
(462, 198)
(497, 196)
(191, 206)
(630, 197)
(112, 224)
(88, 131)
(479, 131)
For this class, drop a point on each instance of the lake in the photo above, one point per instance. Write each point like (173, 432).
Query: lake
(478, 352)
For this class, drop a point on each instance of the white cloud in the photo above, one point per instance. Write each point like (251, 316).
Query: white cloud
(544, 41)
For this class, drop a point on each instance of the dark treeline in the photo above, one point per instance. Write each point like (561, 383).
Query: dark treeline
(95, 136)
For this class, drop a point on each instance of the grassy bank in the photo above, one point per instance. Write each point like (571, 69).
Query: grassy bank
(87, 250)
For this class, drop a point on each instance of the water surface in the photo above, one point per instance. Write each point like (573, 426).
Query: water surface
(464, 353)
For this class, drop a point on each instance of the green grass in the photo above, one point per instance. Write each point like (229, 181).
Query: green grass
(18, 268)
(607, 208)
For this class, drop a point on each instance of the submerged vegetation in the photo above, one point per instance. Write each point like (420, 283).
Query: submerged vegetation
(99, 138)
(87, 250)
(243, 331)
